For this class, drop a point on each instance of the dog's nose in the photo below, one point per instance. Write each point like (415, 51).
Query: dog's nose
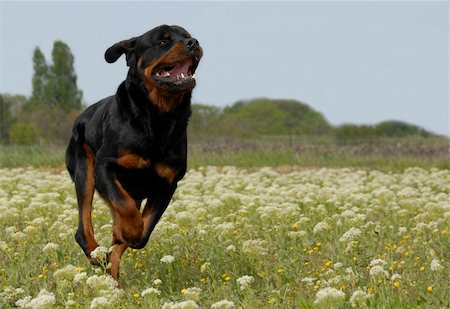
(191, 43)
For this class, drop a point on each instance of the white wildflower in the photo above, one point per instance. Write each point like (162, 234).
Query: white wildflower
(100, 254)
(350, 274)
(395, 277)
(65, 275)
(188, 304)
(254, 246)
(329, 296)
(350, 235)
(435, 265)
(402, 230)
(380, 262)
(157, 282)
(103, 285)
(23, 302)
(11, 295)
(320, 227)
(100, 302)
(44, 299)
(309, 281)
(334, 281)
(296, 234)
(167, 259)
(3, 245)
(18, 236)
(50, 247)
(358, 299)
(231, 248)
(223, 304)
(80, 278)
(245, 282)
(192, 293)
(10, 230)
(150, 291)
(378, 271)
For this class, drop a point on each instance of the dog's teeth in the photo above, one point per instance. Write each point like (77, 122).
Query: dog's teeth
(193, 75)
(182, 75)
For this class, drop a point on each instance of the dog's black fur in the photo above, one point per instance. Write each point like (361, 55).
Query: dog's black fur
(132, 146)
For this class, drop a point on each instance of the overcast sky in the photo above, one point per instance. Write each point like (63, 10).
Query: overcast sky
(355, 62)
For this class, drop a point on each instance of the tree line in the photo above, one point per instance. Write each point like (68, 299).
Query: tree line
(46, 117)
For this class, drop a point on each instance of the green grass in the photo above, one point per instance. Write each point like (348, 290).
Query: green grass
(261, 158)
(32, 156)
(382, 155)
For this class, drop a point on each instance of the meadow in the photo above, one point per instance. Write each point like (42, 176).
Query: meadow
(279, 237)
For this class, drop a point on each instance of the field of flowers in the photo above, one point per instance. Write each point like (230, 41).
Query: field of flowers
(239, 238)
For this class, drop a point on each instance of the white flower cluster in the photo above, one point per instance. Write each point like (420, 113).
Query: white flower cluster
(359, 299)
(223, 304)
(329, 297)
(254, 246)
(50, 247)
(187, 304)
(245, 282)
(11, 295)
(167, 259)
(320, 227)
(44, 299)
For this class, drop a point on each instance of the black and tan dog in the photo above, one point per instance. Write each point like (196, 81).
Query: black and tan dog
(132, 146)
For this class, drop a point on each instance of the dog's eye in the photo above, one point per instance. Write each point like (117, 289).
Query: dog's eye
(163, 42)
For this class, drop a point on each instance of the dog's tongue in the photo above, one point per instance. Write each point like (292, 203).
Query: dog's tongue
(181, 68)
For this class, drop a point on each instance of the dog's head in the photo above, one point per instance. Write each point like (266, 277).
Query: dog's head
(163, 60)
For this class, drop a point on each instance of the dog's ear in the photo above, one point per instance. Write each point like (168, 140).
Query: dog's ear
(124, 47)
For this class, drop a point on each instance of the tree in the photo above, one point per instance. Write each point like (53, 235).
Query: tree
(40, 80)
(273, 117)
(394, 128)
(62, 87)
(55, 86)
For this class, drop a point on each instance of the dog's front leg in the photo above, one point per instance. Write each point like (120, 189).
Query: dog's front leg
(127, 220)
(154, 209)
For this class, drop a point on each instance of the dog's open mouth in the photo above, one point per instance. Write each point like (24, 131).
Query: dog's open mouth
(177, 73)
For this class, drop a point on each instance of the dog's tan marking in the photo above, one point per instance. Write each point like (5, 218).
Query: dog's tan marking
(167, 172)
(89, 186)
(131, 160)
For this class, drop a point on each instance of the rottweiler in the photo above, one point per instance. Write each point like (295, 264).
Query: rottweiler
(132, 146)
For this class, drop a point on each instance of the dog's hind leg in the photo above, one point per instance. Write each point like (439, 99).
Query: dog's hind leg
(84, 179)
